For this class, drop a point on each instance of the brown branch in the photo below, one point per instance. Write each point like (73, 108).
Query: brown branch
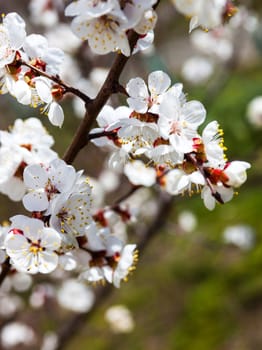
(76, 322)
(5, 270)
(58, 81)
(97, 135)
(95, 106)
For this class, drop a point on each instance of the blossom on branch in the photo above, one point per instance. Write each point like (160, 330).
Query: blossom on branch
(105, 23)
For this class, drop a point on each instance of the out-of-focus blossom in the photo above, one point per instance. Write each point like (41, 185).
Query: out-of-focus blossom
(187, 221)
(241, 236)
(120, 319)
(197, 69)
(75, 296)
(17, 333)
(254, 112)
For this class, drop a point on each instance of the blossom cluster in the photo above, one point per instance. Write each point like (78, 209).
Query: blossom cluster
(105, 23)
(206, 14)
(160, 126)
(154, 140)
(62, 230)
(22, 56)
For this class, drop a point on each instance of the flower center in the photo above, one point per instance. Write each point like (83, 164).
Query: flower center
(35, 248)
(175, 128)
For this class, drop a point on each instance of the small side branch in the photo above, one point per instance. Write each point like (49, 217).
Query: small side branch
(56, 79)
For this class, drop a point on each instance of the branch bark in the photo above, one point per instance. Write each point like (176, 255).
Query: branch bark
(94, 107)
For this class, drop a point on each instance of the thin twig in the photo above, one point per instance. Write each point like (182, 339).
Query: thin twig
(95, 106)
(5, 270)
(58, 81)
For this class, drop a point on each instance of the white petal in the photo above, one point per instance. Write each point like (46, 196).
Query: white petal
(35, 176)
(137, 88)
(35, 201)
(158, 82)
(194, 113)
(47, 261)
(22, 92)
(56, 114)
(35, 45)
(16, 28)
(43, 90)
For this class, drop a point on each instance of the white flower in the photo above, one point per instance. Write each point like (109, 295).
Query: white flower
(125, 264)
(139, 174)
(26, 143)
(119, 319)
(187, 221)
(178, 122)
(105, 33)
(140, 99)
(208, 14)
(17, 333)
(43, 13)
(50, 341)
(12, 36)
(217, 43)
(236, 173)
(36, 47)
(46, 183)
(254, 112)
(70, 214)
(105, 23)
(197, 70)
(239, 235)
(10, 303)
(61, 36)
(31, 246)
(110, 259)
(75, 296)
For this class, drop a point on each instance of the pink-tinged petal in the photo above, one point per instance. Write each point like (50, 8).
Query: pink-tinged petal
(47, 261)
(56, 114)
(158, 82)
